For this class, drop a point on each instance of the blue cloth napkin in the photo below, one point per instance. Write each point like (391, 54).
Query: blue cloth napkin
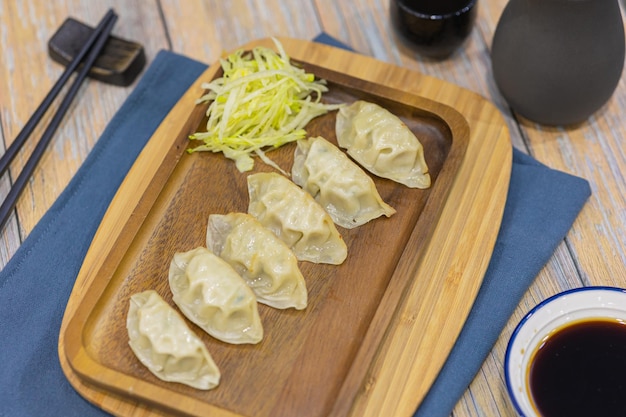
(36, 284)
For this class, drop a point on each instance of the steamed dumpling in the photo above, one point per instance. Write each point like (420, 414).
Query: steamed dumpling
(211, 294)
(296, 218)
(382, 144)
(345, 191)
(163, 342)
(264, 261)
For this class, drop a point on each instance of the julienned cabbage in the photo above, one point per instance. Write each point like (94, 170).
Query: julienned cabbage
(260, 103)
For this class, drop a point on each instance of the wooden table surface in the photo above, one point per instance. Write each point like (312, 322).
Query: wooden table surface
(593, 253)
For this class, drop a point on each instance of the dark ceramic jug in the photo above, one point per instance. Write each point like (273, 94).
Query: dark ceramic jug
(558, 61)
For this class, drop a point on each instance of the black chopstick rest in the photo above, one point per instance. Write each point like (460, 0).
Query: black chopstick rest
(119, 63)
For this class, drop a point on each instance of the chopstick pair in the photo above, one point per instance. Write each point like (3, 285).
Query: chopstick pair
(87, 55)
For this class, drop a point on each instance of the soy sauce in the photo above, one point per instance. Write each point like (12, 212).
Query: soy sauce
(580, 370)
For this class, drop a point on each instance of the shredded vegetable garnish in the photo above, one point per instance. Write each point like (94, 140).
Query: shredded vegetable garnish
(260, 103)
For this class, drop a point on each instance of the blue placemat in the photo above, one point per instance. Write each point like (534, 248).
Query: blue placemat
(36, 284)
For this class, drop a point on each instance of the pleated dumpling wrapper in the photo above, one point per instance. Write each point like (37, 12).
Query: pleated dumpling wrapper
(345, 191)
(264, 261)
(296, 218)
(162, 341)
(382, 143)
(214, 296)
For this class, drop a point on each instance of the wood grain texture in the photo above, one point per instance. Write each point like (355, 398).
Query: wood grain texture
(370, 325)
(593, 251)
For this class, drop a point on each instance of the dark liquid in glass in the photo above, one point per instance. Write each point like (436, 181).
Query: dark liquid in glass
(436, 7)
(581, 371)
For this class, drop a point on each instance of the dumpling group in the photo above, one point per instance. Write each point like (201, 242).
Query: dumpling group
(252, 257)
(380, 142)
(217, 287)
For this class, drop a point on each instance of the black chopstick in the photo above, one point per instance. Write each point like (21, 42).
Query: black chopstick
(92, 49)
(30, 125)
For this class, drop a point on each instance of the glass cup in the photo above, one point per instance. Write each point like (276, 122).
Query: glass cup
(434, 28)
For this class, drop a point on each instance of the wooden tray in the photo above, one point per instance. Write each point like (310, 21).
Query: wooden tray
(378, 328)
